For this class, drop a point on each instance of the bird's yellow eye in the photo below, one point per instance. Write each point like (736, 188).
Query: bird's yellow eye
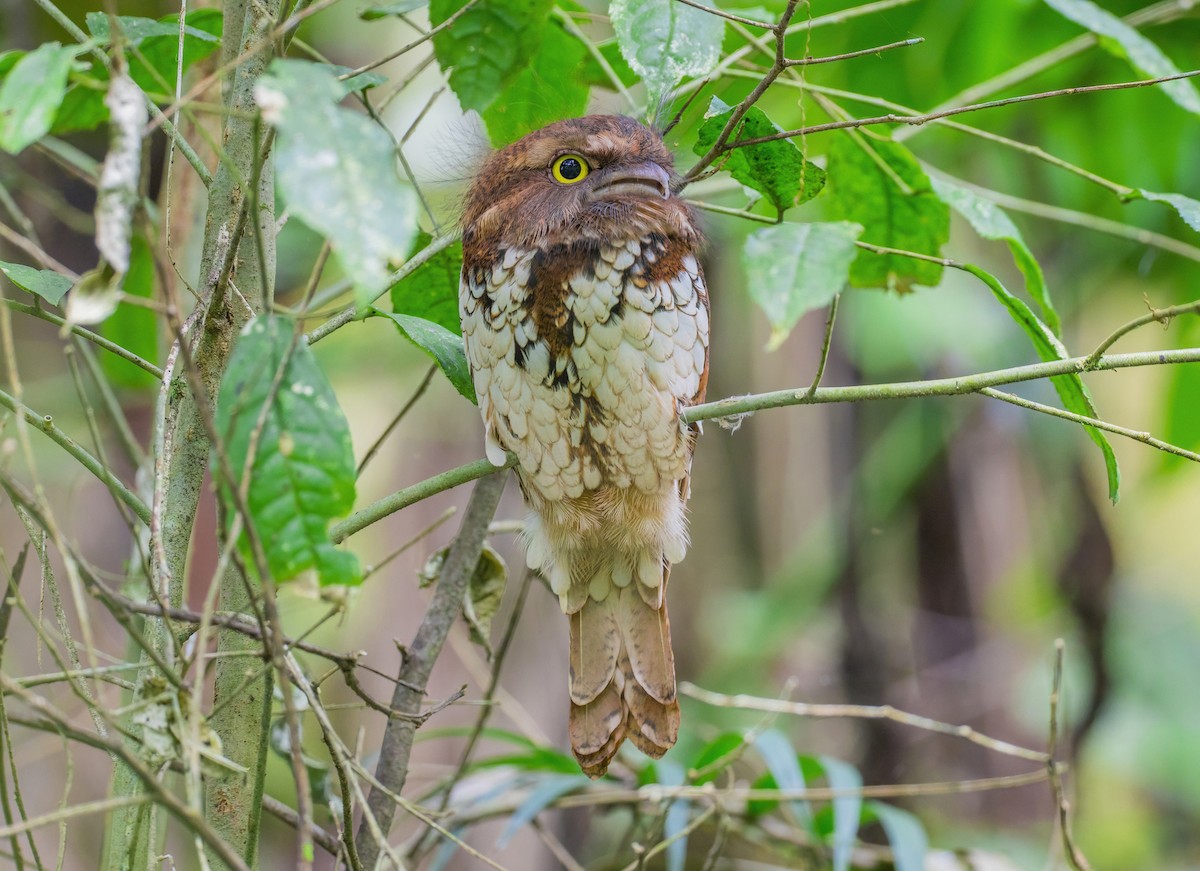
(569, 169)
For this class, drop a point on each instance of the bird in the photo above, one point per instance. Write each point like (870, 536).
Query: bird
(585, 319)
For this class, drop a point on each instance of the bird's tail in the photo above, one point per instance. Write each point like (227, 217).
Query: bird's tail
(622, 666)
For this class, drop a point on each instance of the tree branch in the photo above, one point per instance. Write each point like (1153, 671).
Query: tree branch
(392, 767)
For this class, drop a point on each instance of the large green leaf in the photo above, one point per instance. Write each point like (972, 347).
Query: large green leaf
(990, 222)
(550, 88)
(134, 327)
(47, 284)
(302, 474)
(445, 347)
(488, 45)
(879, 184)
(665, 41)
(31, 94)
(1071, 389)
(776, 169)
(795, 268)
(431, 291)
(337, 171)
(1122, 40)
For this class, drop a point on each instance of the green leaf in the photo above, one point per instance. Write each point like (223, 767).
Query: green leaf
(1071, 389)
(847, 810)
(550, 789)
(403, 7)
(134, 327)
(879, 184)
(795, 268)
(905, 835)
(337, 170)
(445, 347)
(781, 760)
(549, 89)
(361, 82)
(487, 46)
(431, 291)
(665, 41)
(1120, 39)
(31, 94)
(990, 222)
(777, 169)
(594, 74)
(723, 749)
(1187, 208)
(302, 475)
(47, 284)
(484, 591)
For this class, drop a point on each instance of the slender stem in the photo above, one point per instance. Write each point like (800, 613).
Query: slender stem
(861, 712)
(350, 313)
(1074, 856)
(826, 343)
(862, 52)
(409, 495)
(917, 120)
(1143, 437)
(83, 332)
(46, 424)
(736, 406)
(403, 50)
(400, 415)
(1155, 315)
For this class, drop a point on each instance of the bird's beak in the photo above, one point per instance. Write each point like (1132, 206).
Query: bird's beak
(646, 179)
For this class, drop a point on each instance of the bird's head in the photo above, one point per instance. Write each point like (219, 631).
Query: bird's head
(597, 178)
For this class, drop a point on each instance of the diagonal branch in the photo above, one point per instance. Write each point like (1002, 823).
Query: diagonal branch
(392, 767)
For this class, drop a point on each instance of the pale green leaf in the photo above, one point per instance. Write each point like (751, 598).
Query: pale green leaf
(664, 41)
(403, 7)
(847, 809)
(1119, 38)
(337, 170)
(47, 284)
(990, 222)
(679, 811)
(487, 46)
(1187, 208)
(880, 184)
(905, 834)
(781, 760)
(484, 591)
(302, 474)
(31, 94)
(550, 788)
(776, 169)
(795, 268)
(446, 348)
(135, 29)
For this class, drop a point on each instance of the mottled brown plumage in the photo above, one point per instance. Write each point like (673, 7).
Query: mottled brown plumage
(585, 316)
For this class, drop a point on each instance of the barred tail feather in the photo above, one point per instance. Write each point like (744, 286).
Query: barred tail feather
(622, 673)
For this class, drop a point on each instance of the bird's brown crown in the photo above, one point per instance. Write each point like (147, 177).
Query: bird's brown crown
(600, 178)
